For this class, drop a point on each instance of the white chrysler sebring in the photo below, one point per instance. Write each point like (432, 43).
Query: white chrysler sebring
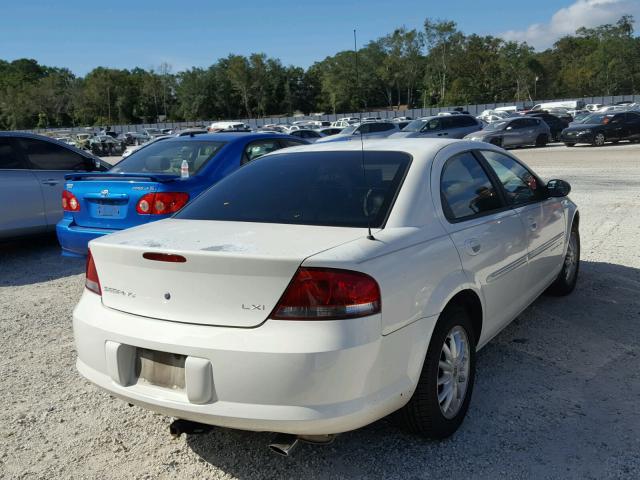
(266, 304)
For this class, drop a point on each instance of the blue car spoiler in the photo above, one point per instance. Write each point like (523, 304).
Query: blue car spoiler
(155, 177)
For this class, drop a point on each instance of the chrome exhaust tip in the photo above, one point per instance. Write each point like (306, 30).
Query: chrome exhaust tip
(283, 444)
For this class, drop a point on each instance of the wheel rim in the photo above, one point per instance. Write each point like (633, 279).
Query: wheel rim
(571, 259)
(599, 139)
(453, 372)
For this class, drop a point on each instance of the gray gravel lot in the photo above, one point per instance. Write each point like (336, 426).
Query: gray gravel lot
(557, 392)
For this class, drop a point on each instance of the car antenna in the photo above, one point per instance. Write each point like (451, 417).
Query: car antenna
(364, 172)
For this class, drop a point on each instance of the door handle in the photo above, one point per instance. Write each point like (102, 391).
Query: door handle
(533, 225)
(50, 181)
(472, 246)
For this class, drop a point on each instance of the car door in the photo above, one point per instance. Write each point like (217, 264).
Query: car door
(513, 133)
(616, 128)
(633, 125)
(465, 125)
(542, 217)
(50, 162)
(22, 211)
(489, 236)
(432, 128)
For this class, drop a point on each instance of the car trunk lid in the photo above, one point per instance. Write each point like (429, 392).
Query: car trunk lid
(234, 273)
(109, 200)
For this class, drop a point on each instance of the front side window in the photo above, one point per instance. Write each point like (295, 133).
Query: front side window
(45, 155)
(520, 185)
(167, 156)
(9, 159)
(432, 125)
(465, 188)
(307, 188)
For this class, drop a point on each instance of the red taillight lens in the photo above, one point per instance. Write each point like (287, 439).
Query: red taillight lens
(162, 203)
(92, 282)
(70, 202)
(164, 257)
(327, 294)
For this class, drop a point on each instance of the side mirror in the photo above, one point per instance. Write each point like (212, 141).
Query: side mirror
(558, 188)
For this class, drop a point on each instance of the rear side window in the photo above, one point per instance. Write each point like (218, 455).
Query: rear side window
(381, 127)
(45, 155)
(307, 188)
(9, 158)
(291, 143)
(519, 184)
(464, 121)
(257, 149)
(167, 157)
(465, 188)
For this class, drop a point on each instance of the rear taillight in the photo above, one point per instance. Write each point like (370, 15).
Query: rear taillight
(70, 202)
(326, 294)
(92, 282)
(161, 203)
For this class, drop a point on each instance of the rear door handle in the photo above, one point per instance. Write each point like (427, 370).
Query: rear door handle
(472, 246)
(50, 181)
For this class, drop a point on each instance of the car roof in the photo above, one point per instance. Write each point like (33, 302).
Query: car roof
(229, 136)
(48, 139)
(420, 149)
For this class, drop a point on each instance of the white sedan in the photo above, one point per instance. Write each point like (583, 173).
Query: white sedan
(266, 304)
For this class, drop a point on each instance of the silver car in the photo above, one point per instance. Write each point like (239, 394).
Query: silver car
(514, 132)
(446, 126)
(365, 129)
(32, 170)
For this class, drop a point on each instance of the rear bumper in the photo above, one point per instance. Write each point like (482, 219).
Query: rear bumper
(74, 240)
(293, 377)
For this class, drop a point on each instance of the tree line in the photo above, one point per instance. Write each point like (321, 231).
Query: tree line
(435, 66)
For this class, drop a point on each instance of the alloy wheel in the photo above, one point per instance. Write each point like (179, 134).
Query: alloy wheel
(453, 372)
(571, 259)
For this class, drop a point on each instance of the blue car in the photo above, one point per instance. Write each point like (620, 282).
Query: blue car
(153, 183)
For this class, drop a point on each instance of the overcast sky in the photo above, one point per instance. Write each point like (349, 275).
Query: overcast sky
(81, 35)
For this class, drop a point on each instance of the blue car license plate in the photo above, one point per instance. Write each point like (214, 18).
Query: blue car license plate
(108, 210)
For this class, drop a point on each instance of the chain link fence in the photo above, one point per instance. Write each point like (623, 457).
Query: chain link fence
(384, 114)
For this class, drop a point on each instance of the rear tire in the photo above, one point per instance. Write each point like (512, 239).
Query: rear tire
(542, 140)
(570, 144)
(430, 412)
(568, 276)
(598, 140)
(496, 141)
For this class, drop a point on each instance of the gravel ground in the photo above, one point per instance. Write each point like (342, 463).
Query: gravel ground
(557, 392)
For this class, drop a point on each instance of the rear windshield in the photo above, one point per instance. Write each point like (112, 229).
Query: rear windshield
(167, 157)
(307, 188)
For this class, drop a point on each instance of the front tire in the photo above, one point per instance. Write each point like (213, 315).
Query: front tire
(441, 399)
(570, 144)
(568, 276)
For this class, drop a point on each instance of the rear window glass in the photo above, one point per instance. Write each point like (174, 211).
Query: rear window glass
(167, 157)
(307, 188)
